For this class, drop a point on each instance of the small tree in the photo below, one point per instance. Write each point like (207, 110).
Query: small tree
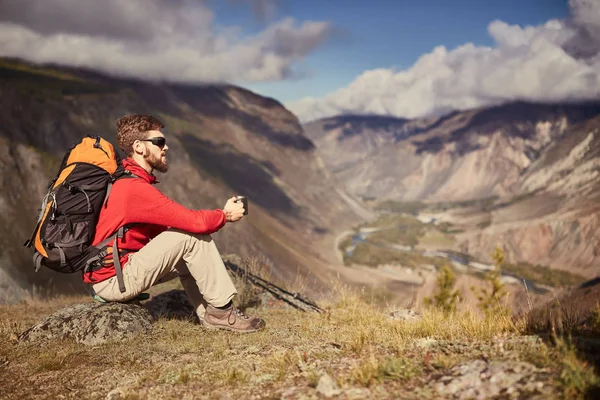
(444, 298)
(489, 299)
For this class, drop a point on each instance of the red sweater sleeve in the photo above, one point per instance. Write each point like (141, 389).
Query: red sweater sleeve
(148, 205)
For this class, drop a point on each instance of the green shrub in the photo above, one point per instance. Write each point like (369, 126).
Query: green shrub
(490, 298)
(445, 298)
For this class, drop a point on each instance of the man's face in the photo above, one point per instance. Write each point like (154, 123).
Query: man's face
(156, 151)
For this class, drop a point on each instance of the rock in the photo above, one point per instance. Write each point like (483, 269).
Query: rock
(357, 393)
(327, 386)
(406, 315)
(92, 323)
(425, 343)
(289, 393)
(479, 379)
(173, 304)
(114, 394)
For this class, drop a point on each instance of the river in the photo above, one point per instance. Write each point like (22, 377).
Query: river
(461, 262)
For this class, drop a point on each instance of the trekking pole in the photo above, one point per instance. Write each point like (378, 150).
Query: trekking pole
(278, 296)
(272, 288)
(296, 296)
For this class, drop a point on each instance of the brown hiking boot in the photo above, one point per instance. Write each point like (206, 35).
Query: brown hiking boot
(232, 319)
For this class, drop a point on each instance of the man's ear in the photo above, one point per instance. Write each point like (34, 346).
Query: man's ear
(138, 148)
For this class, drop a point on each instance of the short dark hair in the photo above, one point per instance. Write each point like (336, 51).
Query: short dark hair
(134, 127)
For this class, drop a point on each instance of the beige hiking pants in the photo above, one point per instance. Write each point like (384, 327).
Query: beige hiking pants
(195, 259)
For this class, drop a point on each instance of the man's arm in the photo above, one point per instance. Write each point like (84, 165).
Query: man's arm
(146, 204)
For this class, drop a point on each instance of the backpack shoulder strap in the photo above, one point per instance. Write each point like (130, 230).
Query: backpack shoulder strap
(117, 259)
(125, 174)
(115, 236)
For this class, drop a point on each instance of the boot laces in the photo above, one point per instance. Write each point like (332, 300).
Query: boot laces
(235, 313)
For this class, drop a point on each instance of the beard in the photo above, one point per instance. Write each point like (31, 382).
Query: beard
(157, 163)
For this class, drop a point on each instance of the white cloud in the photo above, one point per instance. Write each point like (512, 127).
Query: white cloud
(264, 10)
(557, 61)
(174, 40)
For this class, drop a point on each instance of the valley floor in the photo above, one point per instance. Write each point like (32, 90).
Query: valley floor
(400, 252)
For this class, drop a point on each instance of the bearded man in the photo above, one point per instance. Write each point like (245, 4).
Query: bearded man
(163, 240)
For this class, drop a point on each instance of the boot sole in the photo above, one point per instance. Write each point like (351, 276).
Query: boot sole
(228, 328)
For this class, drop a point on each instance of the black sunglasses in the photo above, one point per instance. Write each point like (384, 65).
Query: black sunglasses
(157, 141)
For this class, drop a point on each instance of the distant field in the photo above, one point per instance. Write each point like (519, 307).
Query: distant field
(397, 229)
(46, 82)
(373, 255)
(544, 275)
(436, 239)
(16, 66)
(484, 204)
(411, 207)
(415, 207)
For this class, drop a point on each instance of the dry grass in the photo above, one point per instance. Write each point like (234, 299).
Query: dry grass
(247, 292)
(354, 342)
(575, 377)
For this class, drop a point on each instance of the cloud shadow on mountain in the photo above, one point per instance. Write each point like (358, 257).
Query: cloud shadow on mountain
(214, 101)
(241, 173)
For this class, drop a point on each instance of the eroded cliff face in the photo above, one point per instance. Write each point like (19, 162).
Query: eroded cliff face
(541, 161)
(562, 241)
(461, 156)
(556, 220)
(223, 141)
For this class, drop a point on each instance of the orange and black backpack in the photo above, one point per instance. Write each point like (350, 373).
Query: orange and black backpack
(66, 224)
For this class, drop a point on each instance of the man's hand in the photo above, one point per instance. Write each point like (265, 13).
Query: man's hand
(233, 211)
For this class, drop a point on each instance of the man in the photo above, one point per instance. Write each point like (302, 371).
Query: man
(165, 239)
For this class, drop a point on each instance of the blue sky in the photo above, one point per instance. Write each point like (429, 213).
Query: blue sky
(385, 34)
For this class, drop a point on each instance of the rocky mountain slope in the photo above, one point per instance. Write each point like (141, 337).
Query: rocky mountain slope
(463, 155)
(555, 219)
(540, 161)
(223, 141)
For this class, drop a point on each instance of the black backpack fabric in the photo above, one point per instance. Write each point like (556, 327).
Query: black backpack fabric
(66, 224)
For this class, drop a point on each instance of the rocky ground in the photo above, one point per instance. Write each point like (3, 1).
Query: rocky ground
(76, 348)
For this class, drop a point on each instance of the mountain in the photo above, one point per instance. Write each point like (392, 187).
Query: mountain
(538, 164)
(555, 217)
(433, 158)
(224, 140)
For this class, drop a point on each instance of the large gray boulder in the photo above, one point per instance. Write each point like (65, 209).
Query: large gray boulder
(92, 323)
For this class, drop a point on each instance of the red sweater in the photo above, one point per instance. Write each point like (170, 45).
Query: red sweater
(136, 201)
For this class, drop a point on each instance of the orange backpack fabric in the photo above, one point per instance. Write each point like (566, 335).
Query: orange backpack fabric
(69, 212)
